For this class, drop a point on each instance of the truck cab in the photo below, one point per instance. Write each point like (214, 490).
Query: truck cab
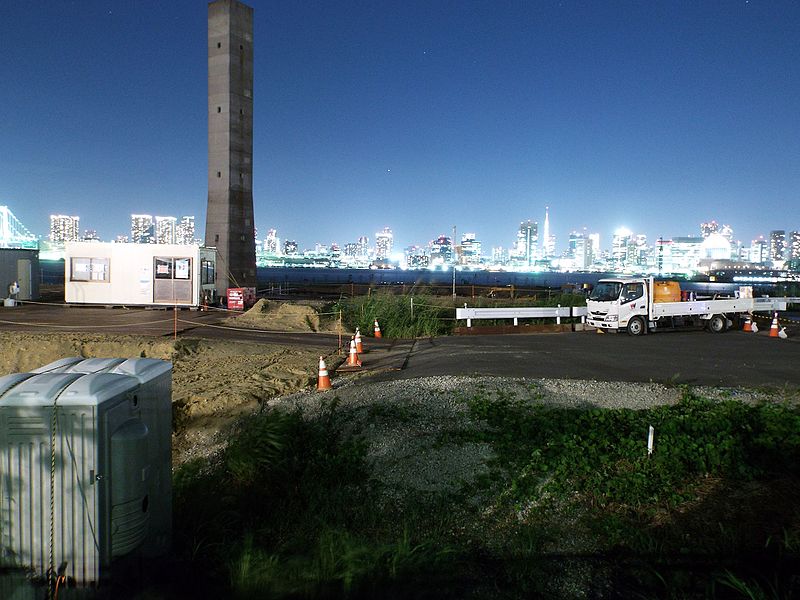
(618, 304)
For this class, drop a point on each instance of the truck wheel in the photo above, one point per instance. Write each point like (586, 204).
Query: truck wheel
(636, 326)
(717, 324)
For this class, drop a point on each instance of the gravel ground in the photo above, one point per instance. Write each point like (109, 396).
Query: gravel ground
(403, 422)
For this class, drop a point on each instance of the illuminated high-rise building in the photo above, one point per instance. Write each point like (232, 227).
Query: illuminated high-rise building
(777, 245)
(580, 250)
(638, 250)
(142, 229)
(594, 247)
(64, 229)
(527, 240)
(441, 250)
(706, 229)
(417, 258)
(363, 247)
(794, 245)
(165, 230)
(471, 253)
(759, 250)
(619, 246)
(272, 243)
(384, 241)
(499, 255)
(184, 231)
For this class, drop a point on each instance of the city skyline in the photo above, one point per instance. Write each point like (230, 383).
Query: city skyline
(529, 246)
(477, 117)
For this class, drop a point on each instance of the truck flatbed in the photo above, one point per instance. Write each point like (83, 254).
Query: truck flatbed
(720, 306)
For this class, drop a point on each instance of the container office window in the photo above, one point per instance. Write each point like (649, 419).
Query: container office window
(89, 269)
(206, 271)
(163, 268)
(172, 280)
(173, 268)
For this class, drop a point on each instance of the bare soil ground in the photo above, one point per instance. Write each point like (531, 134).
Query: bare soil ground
(214, 383)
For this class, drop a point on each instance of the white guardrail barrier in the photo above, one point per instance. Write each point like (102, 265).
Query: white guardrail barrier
(526, 312)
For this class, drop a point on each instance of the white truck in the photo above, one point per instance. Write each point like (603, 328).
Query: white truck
(634, 305)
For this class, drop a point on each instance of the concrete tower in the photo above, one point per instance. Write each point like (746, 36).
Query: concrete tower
(229, 217)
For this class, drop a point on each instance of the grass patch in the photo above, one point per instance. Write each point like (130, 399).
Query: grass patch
(571, 503)
(289, 510)
(432, 315)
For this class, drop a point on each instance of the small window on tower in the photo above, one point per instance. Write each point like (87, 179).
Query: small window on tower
(241, 175)
(241, 47)
(219, 44)
(219, 173)
(241, 112)
(219, 109)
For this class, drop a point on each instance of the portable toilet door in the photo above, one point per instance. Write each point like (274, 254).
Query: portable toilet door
(24, 278)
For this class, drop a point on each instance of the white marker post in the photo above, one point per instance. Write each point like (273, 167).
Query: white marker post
(651, 433)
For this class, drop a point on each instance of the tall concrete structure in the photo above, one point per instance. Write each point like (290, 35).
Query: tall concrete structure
(229, 216)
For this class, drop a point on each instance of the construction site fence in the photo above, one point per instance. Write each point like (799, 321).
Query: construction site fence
(352, 290)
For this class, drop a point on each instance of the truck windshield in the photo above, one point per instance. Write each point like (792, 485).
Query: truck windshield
(605, 291)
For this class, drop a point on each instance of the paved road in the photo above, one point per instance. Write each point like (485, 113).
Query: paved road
(733, 358)
(695, 357)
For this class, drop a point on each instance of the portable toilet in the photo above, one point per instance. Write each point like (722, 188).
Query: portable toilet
(85, 460)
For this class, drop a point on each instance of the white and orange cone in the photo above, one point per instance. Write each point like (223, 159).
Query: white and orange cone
(359, 344)
(748, 324)
(773, 329)
(352, 358)
(324, 380)
(377, 329)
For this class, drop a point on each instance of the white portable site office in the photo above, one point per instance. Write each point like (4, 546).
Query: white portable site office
(138, 274)
(112, 468)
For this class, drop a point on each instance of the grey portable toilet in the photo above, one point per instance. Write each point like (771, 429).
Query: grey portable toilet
(112, 494)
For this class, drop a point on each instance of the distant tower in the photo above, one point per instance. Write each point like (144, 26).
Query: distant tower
(548, 241)
(229, 216)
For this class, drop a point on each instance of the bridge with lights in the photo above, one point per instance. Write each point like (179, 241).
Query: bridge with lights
(13, 234)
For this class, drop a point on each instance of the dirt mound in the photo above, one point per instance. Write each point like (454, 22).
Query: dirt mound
(282, 316)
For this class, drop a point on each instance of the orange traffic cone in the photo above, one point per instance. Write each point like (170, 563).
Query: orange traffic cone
(359, 345)
(773, 329)
(377, 329)
(748, 325)
(352, 358)
(324, 380)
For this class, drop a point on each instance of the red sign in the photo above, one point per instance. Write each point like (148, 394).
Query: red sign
(235, 299)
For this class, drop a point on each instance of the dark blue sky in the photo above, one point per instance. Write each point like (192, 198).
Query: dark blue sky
(415, 115)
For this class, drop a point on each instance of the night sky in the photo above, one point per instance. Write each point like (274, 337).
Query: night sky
(415, 115)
